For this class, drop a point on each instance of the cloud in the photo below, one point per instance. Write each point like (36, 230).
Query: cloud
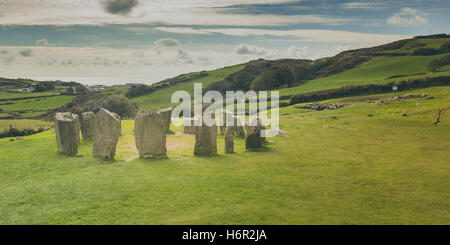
(119, 7)
(246, 49)
(42, 42)
(26, 52)
(183, 58)
(167, 42)
(407, 16)
(363, 5)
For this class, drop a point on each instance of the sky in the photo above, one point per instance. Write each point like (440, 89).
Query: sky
(145, 41)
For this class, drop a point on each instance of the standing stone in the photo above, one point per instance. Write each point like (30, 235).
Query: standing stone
(229, 140)
(167, 114)
(205, 140)
(77, 119)
(238, 128)
(150, 134)
(254, 139)
(108, 127)
(190, 129)
(67, 133)
(88, 125)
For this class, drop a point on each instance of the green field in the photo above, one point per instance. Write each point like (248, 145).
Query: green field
(7, 95)
(163, 96)
(35, 107)
(24, 124)
(375, 71)
(356, 169)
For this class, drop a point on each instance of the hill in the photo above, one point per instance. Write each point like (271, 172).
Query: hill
(393, 62)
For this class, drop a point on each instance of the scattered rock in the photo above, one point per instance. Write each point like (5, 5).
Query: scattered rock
(12, 140)
(88, 125)
(67, 133)
(108, 128)
(205, 140)
(398, 98)
(278, 132)
(370, 115)
(150, 135)
(20, 138)
(320, 107)
(404, 115)
(430, 98)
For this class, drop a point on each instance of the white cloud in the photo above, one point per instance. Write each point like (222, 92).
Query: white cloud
(246, 49)
(408, 16)
(167, 43)
(42, 42)
(363, 5)
(320, 36)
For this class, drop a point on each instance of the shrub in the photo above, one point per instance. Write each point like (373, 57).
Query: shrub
(436, 63)
(425, 51)
(115, 103)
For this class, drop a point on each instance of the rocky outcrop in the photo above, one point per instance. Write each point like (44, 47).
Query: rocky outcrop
(205, 140)
(67, 133)
(229, 140)
(108, 127)
(398, 98)
(321, 107)
(150, 133)
(88, 125)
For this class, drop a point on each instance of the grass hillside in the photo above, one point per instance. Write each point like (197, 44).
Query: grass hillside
(345, 168)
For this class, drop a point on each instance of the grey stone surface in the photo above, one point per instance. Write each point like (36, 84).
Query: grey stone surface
(108, 127)
(67, 133)
(88, 125)
(205, 140)
(239, 128)
(229, 140)
(150, 134)
(189, 129)
(254, 139)
(167, 114)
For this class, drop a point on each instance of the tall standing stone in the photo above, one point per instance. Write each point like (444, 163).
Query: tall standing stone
(108, 127)
(254, 139)
(190, 129)
(67, 133)
(78, 123)
(229, 140)
(150, 134)
(88, 125)
(205, 140)
(239, 128)
(167, 114)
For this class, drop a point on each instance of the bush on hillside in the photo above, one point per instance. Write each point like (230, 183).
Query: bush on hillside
(436, 63)
(114, 103)
(425, 51)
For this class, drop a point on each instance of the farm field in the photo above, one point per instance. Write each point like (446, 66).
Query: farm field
(347, 167)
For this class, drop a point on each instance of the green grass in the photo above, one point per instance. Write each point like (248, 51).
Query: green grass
(163, 96)
(385, 169)
(6, 95)
(376, 71)
(24, 124)
(37, 104)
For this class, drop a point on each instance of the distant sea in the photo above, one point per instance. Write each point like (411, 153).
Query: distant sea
(95, 80)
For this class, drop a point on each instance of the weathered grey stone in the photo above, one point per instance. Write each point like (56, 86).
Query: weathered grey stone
(88, 125)
(226, 120)
(205, 140)
(190, 129)
(108, 127)
(167, 114)
(229, 140)
(77, 119)
(254, 139)
(67, 133)
(238, 128)
(150, 134)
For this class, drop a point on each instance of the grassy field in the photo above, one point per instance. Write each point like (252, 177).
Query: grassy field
(6, 95)
(356, 169)
(35, 107)
(162, 97)
(376, 71)
(24, 124)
